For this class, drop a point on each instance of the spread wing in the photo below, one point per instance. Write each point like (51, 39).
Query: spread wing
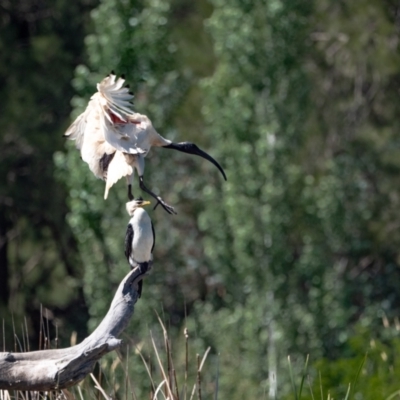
(117, 169)
(118, 98)
(111, 103)
(77, 129)
(124, 129)
(87, 126)
(128, 241)
(121, 126)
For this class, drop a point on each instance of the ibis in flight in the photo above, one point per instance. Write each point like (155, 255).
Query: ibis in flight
(114, 140)
(140, 238)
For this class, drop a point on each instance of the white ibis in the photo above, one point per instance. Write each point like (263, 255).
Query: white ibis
(140, 238)
(114, 140)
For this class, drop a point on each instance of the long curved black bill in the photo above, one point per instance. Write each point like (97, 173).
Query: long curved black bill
(191, 148)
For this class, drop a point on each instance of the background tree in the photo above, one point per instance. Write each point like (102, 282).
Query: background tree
(38, 251)
(298, 96)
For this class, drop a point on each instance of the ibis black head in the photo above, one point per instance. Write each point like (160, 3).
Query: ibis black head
(191, 148)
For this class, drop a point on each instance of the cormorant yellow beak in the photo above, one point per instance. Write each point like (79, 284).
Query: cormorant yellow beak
(145, 203)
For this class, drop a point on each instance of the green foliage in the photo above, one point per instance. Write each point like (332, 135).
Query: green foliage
(38, 251)
(285, 252)
(295, 222)
(370, 368)
(298, 100)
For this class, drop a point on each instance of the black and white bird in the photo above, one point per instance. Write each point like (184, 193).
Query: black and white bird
(140, 237)
(114, 140)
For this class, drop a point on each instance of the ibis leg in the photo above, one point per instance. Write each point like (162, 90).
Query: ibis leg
(130, 194)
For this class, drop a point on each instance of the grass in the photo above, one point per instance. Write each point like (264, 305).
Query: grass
(160, 368)
(162, 376)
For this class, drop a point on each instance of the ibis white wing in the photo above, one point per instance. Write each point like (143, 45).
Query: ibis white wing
(86, 124)
(117, 98)
(77, 129)
(120, 124)
(117, 169)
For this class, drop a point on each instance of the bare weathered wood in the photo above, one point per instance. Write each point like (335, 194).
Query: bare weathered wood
(60, 368)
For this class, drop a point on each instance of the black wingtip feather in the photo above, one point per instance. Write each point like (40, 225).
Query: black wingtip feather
(128, 241)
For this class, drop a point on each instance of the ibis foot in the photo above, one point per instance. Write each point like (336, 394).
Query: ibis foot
(164, 205)
(169, 209)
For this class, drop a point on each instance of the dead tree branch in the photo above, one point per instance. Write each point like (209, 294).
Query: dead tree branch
(60, 368)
